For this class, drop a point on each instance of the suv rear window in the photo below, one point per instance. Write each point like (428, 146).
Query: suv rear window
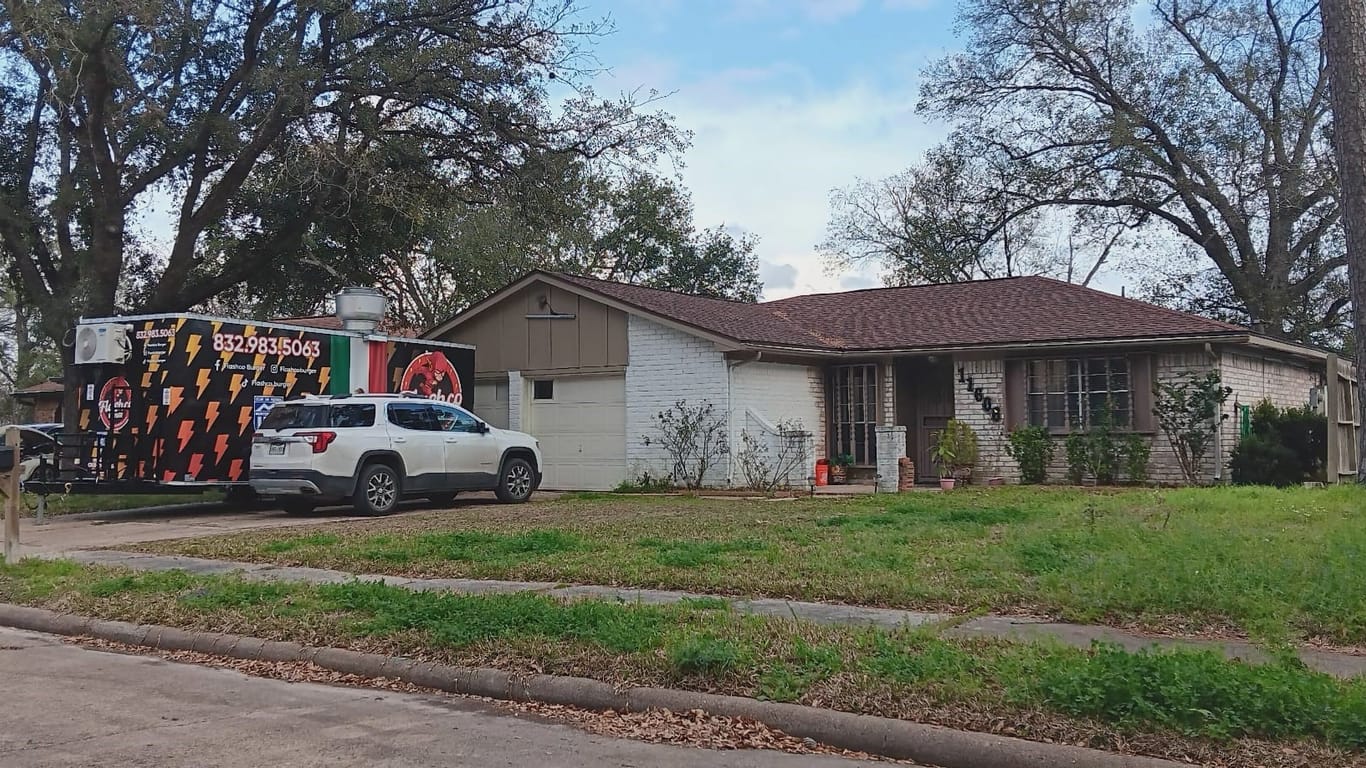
(318, 416)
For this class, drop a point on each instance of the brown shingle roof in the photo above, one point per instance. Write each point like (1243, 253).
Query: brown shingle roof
(1016, 310)
(48, 387)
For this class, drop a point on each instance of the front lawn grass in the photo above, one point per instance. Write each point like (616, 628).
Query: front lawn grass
(1182, 703)
(1272, 564)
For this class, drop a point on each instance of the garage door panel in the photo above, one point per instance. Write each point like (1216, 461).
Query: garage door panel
(583, 432)
(491, 402)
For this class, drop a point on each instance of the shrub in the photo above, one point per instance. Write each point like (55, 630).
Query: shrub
(1032, 449)
(695, 439)
(1077, 457)
(1187, 410)
(956, 452)
(766, 470)
(1285, 447)
(1137, 451)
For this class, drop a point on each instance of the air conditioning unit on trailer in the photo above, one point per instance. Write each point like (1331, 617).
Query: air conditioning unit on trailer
(102, 343)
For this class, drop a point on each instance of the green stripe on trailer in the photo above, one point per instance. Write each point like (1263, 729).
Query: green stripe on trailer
(340, 383)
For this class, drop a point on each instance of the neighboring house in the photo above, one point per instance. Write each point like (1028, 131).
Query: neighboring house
(44, 399)
(585, 364)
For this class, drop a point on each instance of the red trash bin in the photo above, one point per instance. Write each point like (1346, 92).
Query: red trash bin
(822, 471)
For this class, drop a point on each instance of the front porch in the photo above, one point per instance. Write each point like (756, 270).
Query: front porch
(914, 392)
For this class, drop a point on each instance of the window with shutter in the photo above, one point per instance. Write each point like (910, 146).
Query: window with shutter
(1068, 393)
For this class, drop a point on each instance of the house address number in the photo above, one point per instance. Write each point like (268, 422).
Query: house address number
(989, 406)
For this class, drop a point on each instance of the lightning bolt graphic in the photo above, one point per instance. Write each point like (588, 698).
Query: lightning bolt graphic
(235, 472)
(186, 432)
(211, 415)
(177, 397)
(151, 418)
(196, 464)
(147, 380)
(192, 345)
(243, 420)
(220, 447)
(202, 380)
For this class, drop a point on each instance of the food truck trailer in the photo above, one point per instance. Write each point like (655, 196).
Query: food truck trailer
(171, 402)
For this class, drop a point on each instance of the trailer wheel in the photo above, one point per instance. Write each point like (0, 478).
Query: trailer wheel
(378, 490)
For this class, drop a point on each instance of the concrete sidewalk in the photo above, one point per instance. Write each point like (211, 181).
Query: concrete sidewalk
(1338, 664)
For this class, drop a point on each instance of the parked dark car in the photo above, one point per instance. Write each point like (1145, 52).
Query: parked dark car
(37, 450)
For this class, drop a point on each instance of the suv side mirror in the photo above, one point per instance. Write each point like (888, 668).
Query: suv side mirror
(483, 428)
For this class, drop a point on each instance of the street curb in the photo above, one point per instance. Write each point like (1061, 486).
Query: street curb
(930, 744)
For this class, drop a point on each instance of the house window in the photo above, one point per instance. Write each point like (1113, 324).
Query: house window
(543, 389)
(853, 416)
(1075, 393)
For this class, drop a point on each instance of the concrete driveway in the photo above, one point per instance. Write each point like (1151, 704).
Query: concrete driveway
(71, 706)
(90, 530)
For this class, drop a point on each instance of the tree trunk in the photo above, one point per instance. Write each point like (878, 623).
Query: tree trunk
(1344, 37)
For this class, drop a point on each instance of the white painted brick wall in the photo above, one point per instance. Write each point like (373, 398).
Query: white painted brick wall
(667, 366)
(775, 392)
(991, 435)
(515, 400)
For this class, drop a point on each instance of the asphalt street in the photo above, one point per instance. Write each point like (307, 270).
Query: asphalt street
(65, 705)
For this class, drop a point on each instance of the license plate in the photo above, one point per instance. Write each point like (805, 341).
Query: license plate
(277, 449)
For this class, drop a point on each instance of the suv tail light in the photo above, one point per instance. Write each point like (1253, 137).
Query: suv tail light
(319, 440)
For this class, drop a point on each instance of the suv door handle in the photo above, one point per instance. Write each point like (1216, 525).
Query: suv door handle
(400, 439)
(452, 439)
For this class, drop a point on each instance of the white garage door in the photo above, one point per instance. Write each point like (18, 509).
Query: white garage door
(581, 423)
(491, 402)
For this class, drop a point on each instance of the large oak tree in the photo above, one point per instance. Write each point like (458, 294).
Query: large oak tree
(1208, 119)
(277, 133)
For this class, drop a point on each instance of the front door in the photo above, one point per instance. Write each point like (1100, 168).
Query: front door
(924, 406)
(926, 439)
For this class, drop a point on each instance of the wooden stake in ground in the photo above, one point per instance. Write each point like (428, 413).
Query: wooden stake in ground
(1344, 48)
(12, 498)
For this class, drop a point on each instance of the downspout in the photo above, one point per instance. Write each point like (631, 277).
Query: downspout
(1218, 420)
(731, 365)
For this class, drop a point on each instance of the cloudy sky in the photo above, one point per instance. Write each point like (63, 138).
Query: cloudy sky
(786, 99)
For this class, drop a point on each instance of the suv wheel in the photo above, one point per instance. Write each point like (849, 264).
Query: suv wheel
(377, 490)
(516, 482)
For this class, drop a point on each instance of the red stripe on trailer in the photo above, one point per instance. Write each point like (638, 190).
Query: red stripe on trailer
(379, 380)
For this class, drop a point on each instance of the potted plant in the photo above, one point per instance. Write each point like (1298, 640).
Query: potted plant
(839, 469)
(955, 453)
(945, 458)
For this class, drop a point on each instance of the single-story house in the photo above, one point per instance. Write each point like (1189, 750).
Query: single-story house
(585, 364)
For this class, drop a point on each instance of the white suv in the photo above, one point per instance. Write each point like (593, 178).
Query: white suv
(375, 450)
